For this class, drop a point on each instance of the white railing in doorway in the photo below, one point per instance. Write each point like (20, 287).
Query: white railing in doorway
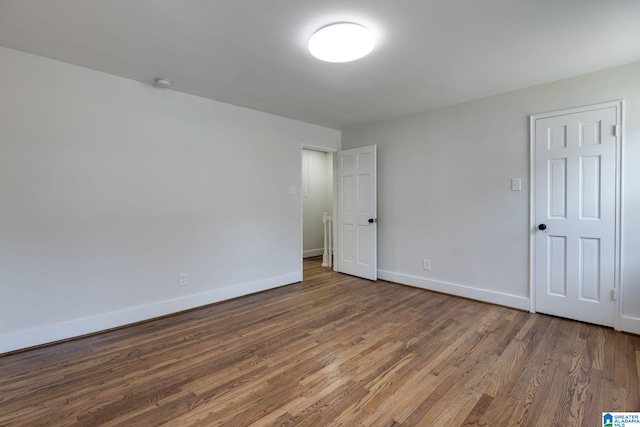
(327, 255)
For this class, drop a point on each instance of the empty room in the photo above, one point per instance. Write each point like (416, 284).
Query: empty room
(319, 213)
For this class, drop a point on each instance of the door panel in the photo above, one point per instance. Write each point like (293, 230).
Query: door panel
(357, 237)
(557, 188)
(557, 279)
(575, 187)
(589, 280)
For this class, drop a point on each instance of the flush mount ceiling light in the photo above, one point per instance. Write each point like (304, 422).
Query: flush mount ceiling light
(341, 42)
(163, 83)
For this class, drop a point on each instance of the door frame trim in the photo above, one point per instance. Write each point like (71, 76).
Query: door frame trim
(334, 152)
(619, 105)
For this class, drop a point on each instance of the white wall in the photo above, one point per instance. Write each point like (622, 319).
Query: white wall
(110, 187)
(444, 189)
(317, 190)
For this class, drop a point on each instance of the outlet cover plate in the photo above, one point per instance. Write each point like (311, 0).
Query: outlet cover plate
(182, 279)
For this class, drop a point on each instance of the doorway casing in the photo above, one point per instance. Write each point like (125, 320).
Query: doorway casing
(618, 285)
(333, 152)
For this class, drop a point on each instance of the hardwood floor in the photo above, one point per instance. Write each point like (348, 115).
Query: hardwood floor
(333, 350)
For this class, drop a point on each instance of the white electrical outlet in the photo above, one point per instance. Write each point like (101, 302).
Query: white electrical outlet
(426, 264)
(182, 279)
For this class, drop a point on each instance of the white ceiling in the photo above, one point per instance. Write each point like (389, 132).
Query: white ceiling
(252, 53)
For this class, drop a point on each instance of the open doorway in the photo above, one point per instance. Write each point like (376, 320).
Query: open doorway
(318, 198)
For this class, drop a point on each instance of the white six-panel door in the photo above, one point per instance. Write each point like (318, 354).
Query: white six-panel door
(575, 214)
(357, 220)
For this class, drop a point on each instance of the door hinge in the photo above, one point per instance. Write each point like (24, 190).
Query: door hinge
(615, 130)
(614, 294)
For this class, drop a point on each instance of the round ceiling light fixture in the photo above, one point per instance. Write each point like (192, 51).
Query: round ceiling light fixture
(341, 42)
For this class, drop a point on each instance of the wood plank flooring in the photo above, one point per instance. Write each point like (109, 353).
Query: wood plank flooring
(333, 350)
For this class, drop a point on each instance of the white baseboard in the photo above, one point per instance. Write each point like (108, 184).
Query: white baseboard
(631, 324)
(312, 252)
(465, 291)
(61, 331)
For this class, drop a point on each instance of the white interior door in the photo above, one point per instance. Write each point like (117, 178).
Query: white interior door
(357, 213)
(575, 214)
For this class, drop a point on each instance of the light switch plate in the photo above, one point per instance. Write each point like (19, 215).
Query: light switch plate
(516, 184)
